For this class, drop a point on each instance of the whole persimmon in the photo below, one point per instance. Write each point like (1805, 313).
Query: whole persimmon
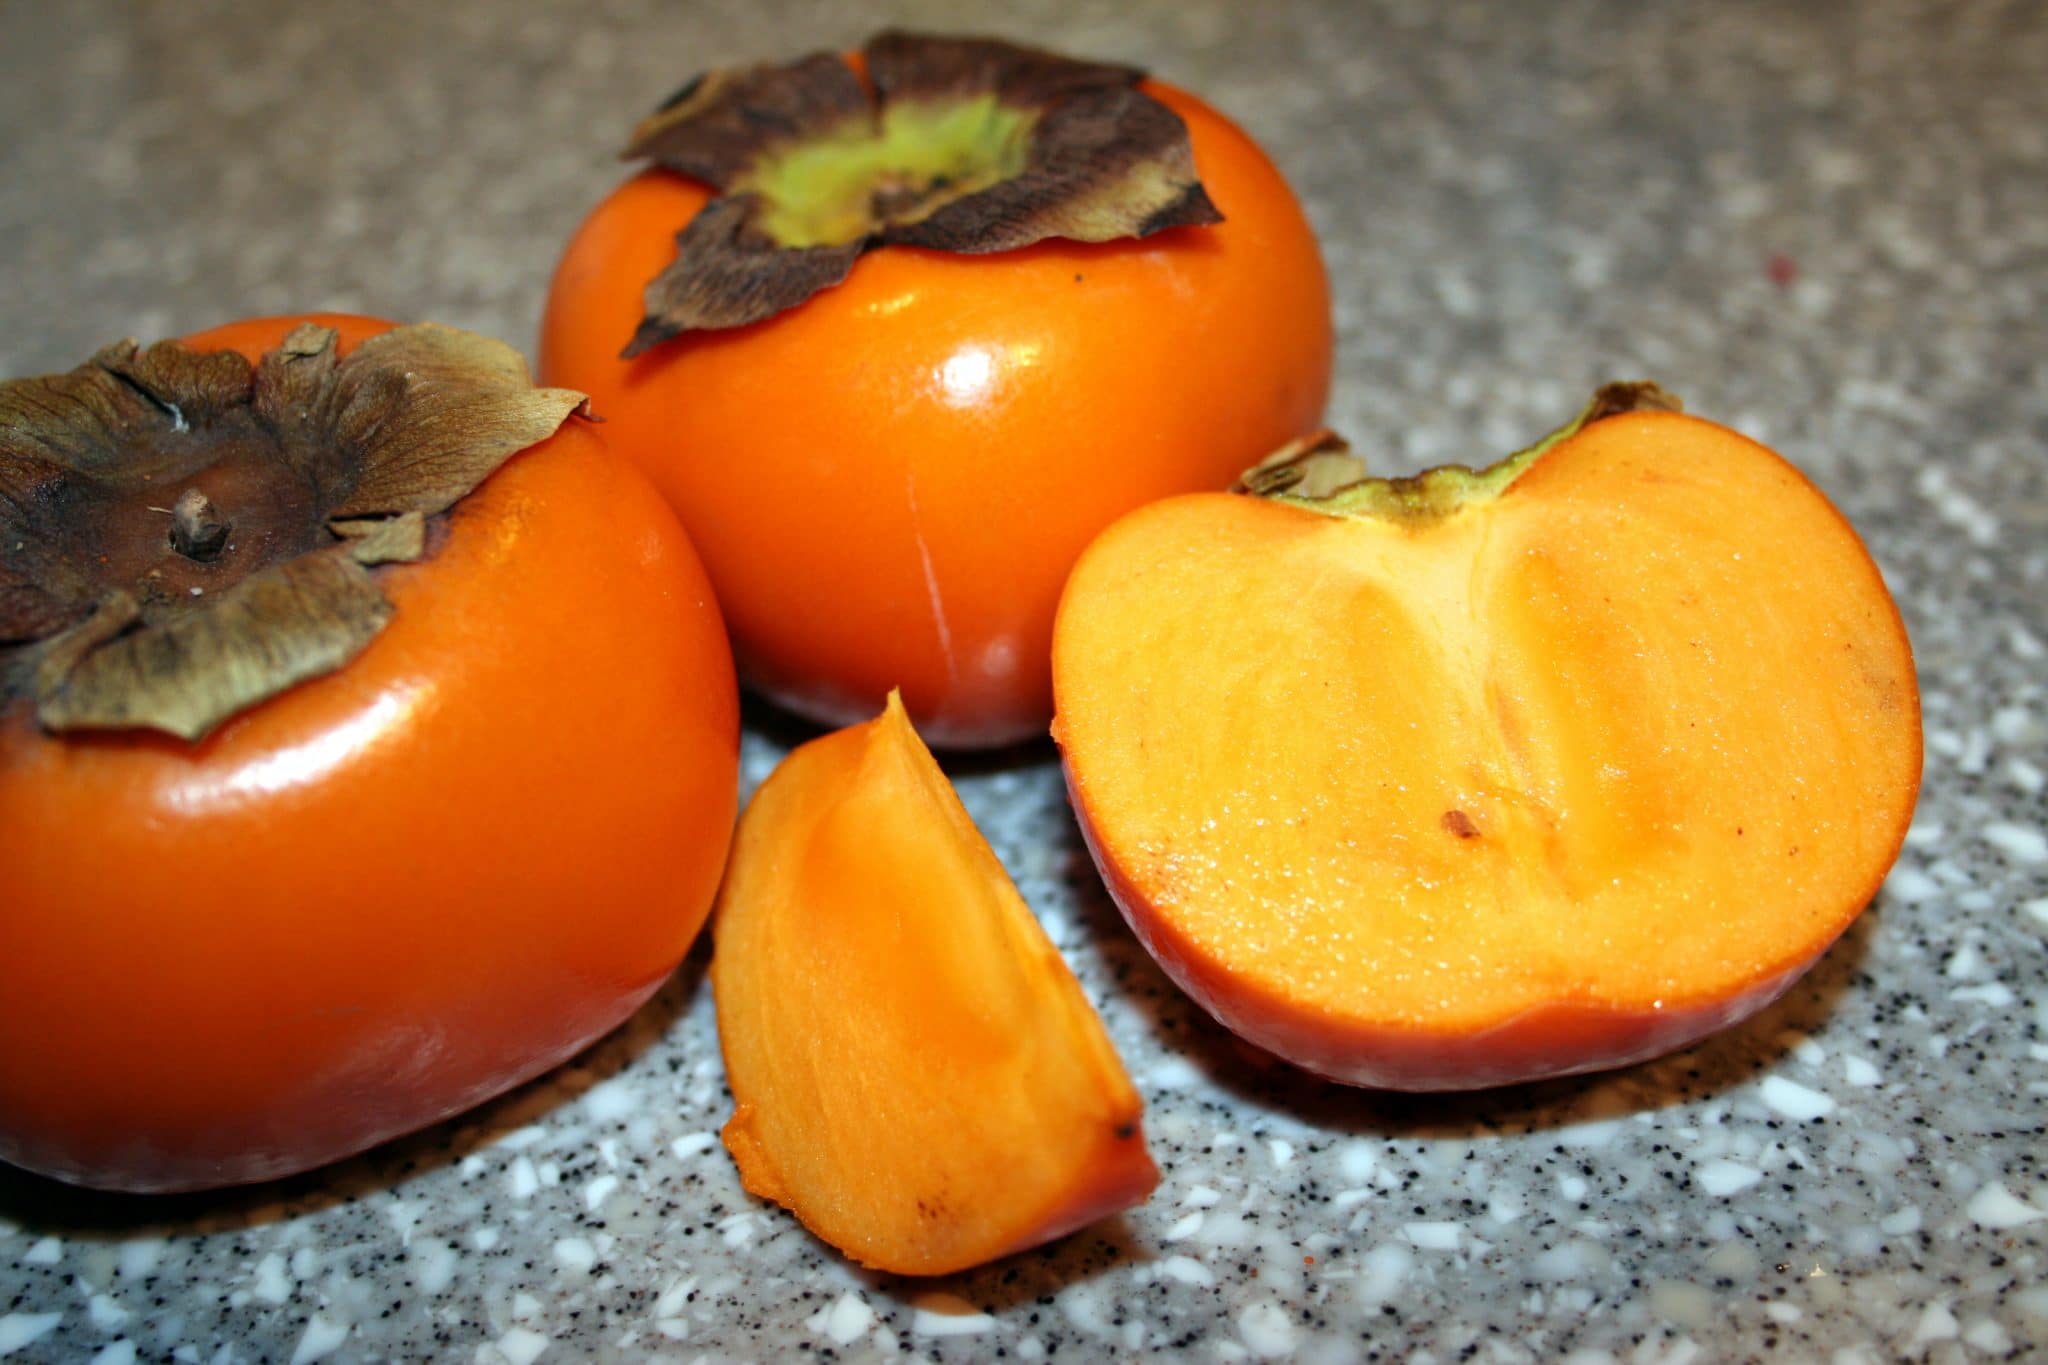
(920, 323)
(368, 744)
(1480, 777)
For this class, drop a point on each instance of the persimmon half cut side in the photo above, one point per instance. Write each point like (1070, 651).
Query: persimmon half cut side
(1474, 779)
(917, 1074)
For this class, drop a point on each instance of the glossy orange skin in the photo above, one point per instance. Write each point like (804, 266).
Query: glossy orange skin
(889, 482)
(389, 893)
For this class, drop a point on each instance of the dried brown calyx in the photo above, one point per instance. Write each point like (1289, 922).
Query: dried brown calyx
(1319, 472)
(960, 144)
(183, 534)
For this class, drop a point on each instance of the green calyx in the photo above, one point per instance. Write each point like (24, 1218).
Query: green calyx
(1321, 474)
(966, 145)
(913, 160)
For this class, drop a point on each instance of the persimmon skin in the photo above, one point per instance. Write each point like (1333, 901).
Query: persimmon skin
(389, 893)
(1563, 1038)
(889, 482)
(1588, 870)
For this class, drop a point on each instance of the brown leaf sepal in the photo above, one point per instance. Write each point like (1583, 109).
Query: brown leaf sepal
(960, 144)
(728, 272)
(715, 127)
(1319, 472)
(183, 534)
(1312, 466)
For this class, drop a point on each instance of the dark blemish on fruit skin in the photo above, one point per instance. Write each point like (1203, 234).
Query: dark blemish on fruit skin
(1126, 1131)
(1460, 824)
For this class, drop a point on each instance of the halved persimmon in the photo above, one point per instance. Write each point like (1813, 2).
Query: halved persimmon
(917, 1073)
(1476, 778)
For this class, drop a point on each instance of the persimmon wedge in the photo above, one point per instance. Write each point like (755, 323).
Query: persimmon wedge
(917, 1075)
(1475, 778)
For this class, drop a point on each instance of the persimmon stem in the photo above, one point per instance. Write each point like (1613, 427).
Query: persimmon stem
(198, 531)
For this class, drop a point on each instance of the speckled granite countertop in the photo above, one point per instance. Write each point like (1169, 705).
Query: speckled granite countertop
(1824, 223)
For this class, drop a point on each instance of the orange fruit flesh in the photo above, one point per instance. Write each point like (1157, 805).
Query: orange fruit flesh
(1552, 783)
(917, 1074)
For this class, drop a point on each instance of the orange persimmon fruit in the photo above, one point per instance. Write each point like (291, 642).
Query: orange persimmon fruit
(889, 480)
(916, 1073)
(1476, 778)
(390, 890)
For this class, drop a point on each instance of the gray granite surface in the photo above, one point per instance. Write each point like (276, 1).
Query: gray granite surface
(1825, 223)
